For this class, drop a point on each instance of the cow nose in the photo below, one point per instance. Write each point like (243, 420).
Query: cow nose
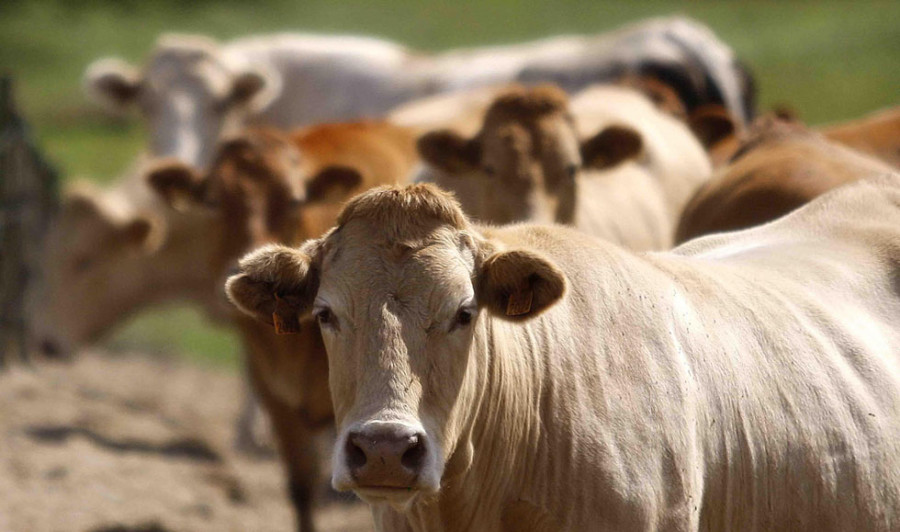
(51, 349)
(387, 456)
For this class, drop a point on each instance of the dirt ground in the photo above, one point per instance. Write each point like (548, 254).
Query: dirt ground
(130, 443)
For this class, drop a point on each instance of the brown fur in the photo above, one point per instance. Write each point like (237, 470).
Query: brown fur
(779, 167)
(877, 134)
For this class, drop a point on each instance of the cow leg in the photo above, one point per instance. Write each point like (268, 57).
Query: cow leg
(252, 432)
(296, 445)
(301, 499)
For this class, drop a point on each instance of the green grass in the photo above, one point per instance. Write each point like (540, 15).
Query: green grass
(828, 60)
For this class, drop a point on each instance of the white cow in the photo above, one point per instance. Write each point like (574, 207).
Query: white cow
(534, 378)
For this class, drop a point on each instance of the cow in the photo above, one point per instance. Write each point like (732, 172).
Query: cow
(780, 166)
(110, 253)
(722, 134)
(268, 186)
(193, 91)
(608, 162)
(535, 377)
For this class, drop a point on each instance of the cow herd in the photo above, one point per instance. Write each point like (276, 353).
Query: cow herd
(465, 263)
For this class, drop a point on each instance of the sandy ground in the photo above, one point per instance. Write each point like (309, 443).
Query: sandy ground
(129, 443)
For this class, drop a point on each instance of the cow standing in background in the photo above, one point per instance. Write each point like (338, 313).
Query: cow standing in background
(779, 167)
(492, 379)
(608, 162)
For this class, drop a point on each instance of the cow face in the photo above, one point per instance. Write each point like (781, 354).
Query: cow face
(259, 186)
(528, 156)
(188, 95)
(88, 271)
(400, 290)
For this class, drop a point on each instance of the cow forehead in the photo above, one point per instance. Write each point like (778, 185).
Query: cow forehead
(431, 273)
(188, 70)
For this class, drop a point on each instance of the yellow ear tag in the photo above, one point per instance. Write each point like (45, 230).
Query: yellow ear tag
(519, 303)
(282, 326)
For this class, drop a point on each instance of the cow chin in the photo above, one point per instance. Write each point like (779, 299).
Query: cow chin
(387, 462)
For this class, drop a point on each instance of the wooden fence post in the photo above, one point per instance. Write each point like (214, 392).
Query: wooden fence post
(28, 199)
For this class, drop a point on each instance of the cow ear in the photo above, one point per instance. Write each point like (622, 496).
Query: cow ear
(449, 151)
(177, 183)
(276, 285)
(112, 83)
(332, 183)
(610, 147)
(81, 202)
(520, 284)
(254, 88)
(142, 231)
(712, 124)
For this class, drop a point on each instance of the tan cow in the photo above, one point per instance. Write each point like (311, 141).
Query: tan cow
(537, 378)
(265, 186)
(610, 163)
(779, 167)
(110, 253)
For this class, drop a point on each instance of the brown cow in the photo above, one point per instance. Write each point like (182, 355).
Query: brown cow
(267, 186)
(536, 378)
(877, 134)
(779, 167)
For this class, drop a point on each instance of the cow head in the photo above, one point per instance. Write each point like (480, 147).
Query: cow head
(189, 95)
(89, 269)
(259, 186)
(400, 288)
(528, 156)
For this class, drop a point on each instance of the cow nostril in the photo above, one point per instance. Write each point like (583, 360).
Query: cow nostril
(414, 456)
(356, 457)
(50, 349)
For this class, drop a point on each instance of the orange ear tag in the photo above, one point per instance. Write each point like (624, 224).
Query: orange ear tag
(282, 326)
(519, 303)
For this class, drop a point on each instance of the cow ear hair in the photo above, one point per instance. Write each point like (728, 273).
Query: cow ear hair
(332, 182)
(255, 88)
(712, 124)
(276, 285)
(520, 284)
(112, 83)
(449, 151)
(178, 184)
(612, 146)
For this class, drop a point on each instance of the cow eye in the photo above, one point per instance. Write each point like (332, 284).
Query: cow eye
(324, 316)
(464, 317)
(490, 170)
(572, 171)
(82, 264)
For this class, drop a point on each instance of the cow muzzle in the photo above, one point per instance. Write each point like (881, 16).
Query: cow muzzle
(384, 461)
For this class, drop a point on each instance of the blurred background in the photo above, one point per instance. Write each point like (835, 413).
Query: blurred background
(825, 60)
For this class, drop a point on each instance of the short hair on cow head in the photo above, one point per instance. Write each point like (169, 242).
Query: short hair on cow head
(521, 103)
(404, 210)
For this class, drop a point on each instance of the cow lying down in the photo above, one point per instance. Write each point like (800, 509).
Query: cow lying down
(536, 378)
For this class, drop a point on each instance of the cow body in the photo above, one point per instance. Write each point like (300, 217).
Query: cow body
(778, 168)
(748, 381)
